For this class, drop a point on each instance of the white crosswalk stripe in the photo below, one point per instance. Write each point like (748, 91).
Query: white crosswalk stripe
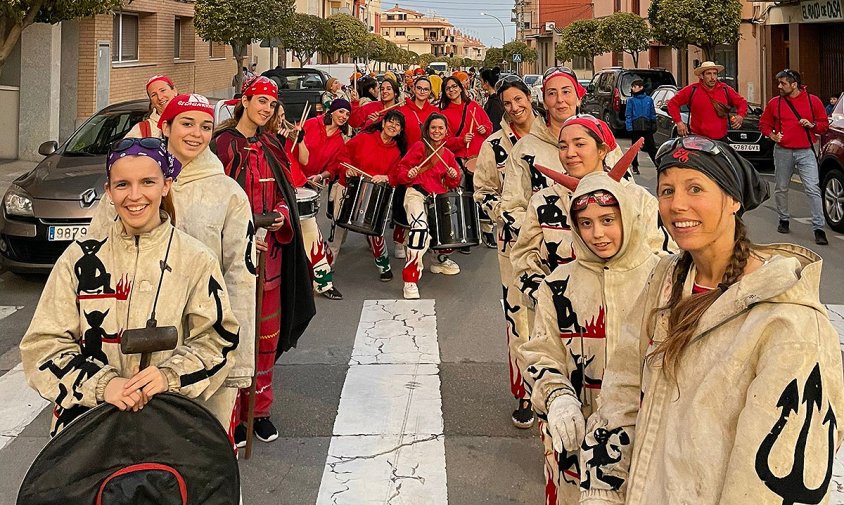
(388, 444)
(19, 404)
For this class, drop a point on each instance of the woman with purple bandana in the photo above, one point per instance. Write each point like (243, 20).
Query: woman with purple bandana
(71, 351)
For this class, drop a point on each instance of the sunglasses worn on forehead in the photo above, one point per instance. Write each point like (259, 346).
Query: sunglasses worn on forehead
(553, 70)
(694, 143)
(602, 198)
(506, 79)
(146, 143)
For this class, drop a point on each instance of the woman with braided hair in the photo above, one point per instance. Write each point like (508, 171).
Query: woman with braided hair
(726, 384)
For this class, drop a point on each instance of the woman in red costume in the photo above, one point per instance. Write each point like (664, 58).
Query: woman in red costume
(373, 112)
(252, 155)
(324, 141)
(377, 151)
(468, 124)
(426, 171)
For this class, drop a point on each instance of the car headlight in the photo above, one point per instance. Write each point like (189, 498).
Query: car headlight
(17, 202)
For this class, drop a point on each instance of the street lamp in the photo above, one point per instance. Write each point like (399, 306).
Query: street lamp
(503, 30)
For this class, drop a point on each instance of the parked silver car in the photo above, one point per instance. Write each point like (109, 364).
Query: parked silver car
(46, 209)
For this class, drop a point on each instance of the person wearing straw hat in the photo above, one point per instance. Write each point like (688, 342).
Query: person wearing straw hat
(333, 91)
(710, 102)
(160, 90)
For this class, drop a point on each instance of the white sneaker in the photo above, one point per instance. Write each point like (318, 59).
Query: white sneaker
(447, 267)
(411, 291)
(399, 252)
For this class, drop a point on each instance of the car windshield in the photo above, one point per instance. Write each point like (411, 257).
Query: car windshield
(100, 131)
(298, 81)
(531, 79)
(652, 81)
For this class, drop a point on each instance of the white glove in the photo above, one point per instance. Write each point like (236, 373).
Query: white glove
(566, 423)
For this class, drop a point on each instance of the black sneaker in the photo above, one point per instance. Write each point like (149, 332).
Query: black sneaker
(240, 435)
(783, 227)
(635, 170)
(820, 238)
(387, 276)
(488, 240)
(464, 250)
(523, 415)
(265, 430)
(332, 294)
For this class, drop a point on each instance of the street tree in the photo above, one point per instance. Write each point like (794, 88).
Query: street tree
(304, 35)
(518, 47)
(238, 23)
(624, 32)
(347, 33)
(425, 59)
(581, 39)
(16, 15)
(494, 57)
(702, 23)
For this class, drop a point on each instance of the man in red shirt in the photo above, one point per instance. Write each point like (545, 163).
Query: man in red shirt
(794, 120)
(709, 101)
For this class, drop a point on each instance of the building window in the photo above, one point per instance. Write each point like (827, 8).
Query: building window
(177, 38)
(216, 50)
(399, 33)
(580, 63)
(125, 37)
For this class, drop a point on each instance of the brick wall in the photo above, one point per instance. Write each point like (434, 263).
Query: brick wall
(193, 71)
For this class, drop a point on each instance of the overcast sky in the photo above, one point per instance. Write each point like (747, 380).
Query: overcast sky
(466, 15)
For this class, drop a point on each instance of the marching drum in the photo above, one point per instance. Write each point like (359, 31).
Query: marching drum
(453, 220)
(399, 214)
(307, 200)
(365, 206)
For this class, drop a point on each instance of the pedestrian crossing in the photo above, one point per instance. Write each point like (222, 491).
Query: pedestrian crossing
(388, 442)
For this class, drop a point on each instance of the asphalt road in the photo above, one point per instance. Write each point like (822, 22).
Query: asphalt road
(486, 460)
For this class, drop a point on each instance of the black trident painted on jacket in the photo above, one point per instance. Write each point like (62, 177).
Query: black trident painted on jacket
(792, 487)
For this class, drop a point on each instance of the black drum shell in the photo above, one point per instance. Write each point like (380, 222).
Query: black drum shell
(365, 206)
(453, 220)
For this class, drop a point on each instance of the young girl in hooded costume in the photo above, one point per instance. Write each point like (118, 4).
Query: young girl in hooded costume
(579, 313)
(136, 270)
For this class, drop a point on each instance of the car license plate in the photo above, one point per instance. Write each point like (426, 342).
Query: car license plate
(745, 147)
(65, 233)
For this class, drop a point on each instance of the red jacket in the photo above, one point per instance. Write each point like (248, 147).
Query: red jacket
(414, 118)
(433, 180)
(704, 121)
(368, 152)
(454, 114)
(779, 117)
(323, 149)
(358, 119)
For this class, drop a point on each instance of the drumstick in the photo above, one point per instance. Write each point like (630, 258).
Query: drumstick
(305, 111)
(431, 155)
(397, 104)
(356, 169)
(438, 155)
(315, 185)
(471, 128)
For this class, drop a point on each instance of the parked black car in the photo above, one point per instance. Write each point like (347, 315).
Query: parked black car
(606, 96)
(747, 140)
(831, 166)
(296, 86)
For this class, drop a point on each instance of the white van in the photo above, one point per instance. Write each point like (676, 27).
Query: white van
(439, 66)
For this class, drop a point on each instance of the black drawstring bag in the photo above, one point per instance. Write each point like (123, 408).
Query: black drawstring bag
(172, 452)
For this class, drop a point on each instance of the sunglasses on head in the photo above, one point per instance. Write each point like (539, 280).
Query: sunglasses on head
(553, 70)
(694, 143)
(589, 117)
(507, 78)
(146, 143)
(602, 198)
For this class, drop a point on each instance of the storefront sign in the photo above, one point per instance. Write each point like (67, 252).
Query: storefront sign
(821, 11)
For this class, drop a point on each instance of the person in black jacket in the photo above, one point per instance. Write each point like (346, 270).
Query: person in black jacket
(493, 108)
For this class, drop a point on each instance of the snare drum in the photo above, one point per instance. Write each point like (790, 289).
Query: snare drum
(365, 206)
(453, 220)
(307, 200)
(399, 214)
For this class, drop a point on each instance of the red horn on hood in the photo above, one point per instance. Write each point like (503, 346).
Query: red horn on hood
(566, 180)
(623, 164)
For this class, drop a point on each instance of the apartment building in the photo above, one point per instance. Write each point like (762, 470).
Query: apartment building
(417, 32)
(539, 22)
(59, 75)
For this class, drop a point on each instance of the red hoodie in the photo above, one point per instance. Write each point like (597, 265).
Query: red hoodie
(704, 121)
(414, 118)
(779, 117)
(359, 116)
(368, 152)
(454, 114)
(322, 148)
(433, 180)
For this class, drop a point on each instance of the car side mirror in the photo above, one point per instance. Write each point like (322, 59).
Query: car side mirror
(48, 148)
(758, 111)
(590, 88)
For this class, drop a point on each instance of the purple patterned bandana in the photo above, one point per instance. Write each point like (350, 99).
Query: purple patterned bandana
(150, 147)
